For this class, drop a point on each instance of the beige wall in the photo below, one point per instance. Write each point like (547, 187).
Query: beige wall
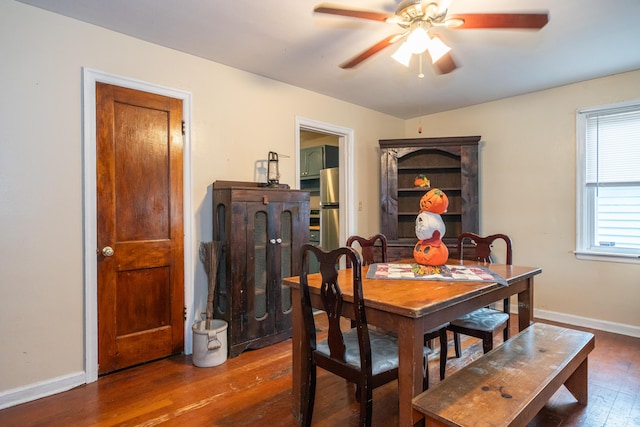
(527, 175)
(527, 190)
(237, 118)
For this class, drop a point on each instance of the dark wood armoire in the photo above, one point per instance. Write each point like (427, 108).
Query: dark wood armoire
(262, 230)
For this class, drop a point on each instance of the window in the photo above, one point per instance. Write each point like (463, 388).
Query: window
(608, 193)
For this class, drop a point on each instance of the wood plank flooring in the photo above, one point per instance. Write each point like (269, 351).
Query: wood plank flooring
(255, 389)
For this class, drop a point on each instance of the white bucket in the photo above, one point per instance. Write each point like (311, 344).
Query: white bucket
(209, 345)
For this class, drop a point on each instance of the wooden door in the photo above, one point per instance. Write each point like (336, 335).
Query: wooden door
(140, 227)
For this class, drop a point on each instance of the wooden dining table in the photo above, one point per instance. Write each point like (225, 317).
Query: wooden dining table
(409, 308)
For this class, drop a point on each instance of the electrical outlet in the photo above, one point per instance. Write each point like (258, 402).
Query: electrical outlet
(360, 206)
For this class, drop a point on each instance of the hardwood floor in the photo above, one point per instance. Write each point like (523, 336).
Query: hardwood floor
(255, 389)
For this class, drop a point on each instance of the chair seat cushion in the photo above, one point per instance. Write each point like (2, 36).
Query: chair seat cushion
(483, 319)
(384, 350)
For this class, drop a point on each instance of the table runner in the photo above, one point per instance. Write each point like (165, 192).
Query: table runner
(458, 273)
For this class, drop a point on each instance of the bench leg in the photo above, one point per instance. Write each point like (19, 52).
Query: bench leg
(578, 383)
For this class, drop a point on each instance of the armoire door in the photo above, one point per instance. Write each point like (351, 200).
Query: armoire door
(290, 230)
(260, 299)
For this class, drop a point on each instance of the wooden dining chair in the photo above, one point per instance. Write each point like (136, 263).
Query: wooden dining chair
(368, 249)
(484, 322)
(364, 356)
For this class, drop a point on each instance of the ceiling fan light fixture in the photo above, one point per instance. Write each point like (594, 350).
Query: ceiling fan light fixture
(437, 49)
(418, 41)
(403, 54)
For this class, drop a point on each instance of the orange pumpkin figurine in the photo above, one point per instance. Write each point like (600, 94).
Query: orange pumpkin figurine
(431, 251)
(421, 181)
(434, 201)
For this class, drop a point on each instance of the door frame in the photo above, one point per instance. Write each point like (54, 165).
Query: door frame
(345, 141)
(89, 79)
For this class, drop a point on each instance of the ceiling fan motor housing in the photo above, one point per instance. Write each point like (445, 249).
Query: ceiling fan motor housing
(414, 10)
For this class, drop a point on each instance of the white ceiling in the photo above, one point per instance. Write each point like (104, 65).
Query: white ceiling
(284, 40)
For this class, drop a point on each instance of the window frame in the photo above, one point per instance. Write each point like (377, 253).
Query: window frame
(585, 203)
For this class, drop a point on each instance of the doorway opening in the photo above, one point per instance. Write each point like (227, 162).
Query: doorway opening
(310, 134)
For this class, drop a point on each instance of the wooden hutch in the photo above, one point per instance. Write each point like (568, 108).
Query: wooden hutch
(451, 164)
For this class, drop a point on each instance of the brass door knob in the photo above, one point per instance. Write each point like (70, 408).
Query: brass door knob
(107, 251)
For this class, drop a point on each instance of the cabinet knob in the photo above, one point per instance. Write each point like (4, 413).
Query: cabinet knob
(279, 240)
(272, 241)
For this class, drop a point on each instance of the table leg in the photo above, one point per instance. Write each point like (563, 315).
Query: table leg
(410, 354)
(525, 308)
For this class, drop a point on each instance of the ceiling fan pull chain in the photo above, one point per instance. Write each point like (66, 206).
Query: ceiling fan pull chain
(420, 87)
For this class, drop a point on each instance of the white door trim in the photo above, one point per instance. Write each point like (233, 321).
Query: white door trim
(89, 79)
(346, 140)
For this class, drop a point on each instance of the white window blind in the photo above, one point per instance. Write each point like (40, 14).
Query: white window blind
(613, 147)
(609, 180)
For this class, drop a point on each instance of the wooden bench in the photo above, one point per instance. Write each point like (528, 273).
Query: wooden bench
(509, 385)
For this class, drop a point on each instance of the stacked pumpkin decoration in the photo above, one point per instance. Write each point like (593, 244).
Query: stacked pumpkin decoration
(430, 250)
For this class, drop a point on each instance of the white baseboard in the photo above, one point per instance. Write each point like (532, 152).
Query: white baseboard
(584, 322)
(41, 389)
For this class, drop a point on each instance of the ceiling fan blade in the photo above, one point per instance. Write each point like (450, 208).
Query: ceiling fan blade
(533, 21)
(445, 64)
(372, 50)
(354, 13)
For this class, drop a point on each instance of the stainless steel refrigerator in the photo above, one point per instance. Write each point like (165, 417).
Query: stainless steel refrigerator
(329, 209)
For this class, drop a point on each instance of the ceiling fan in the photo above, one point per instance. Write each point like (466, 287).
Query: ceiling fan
(420, 18)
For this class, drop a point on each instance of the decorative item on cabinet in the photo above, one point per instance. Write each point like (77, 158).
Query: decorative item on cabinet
(263, 230)
(273, 170)
(448, 163)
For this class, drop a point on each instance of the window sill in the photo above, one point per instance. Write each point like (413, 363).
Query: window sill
(607, 257)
